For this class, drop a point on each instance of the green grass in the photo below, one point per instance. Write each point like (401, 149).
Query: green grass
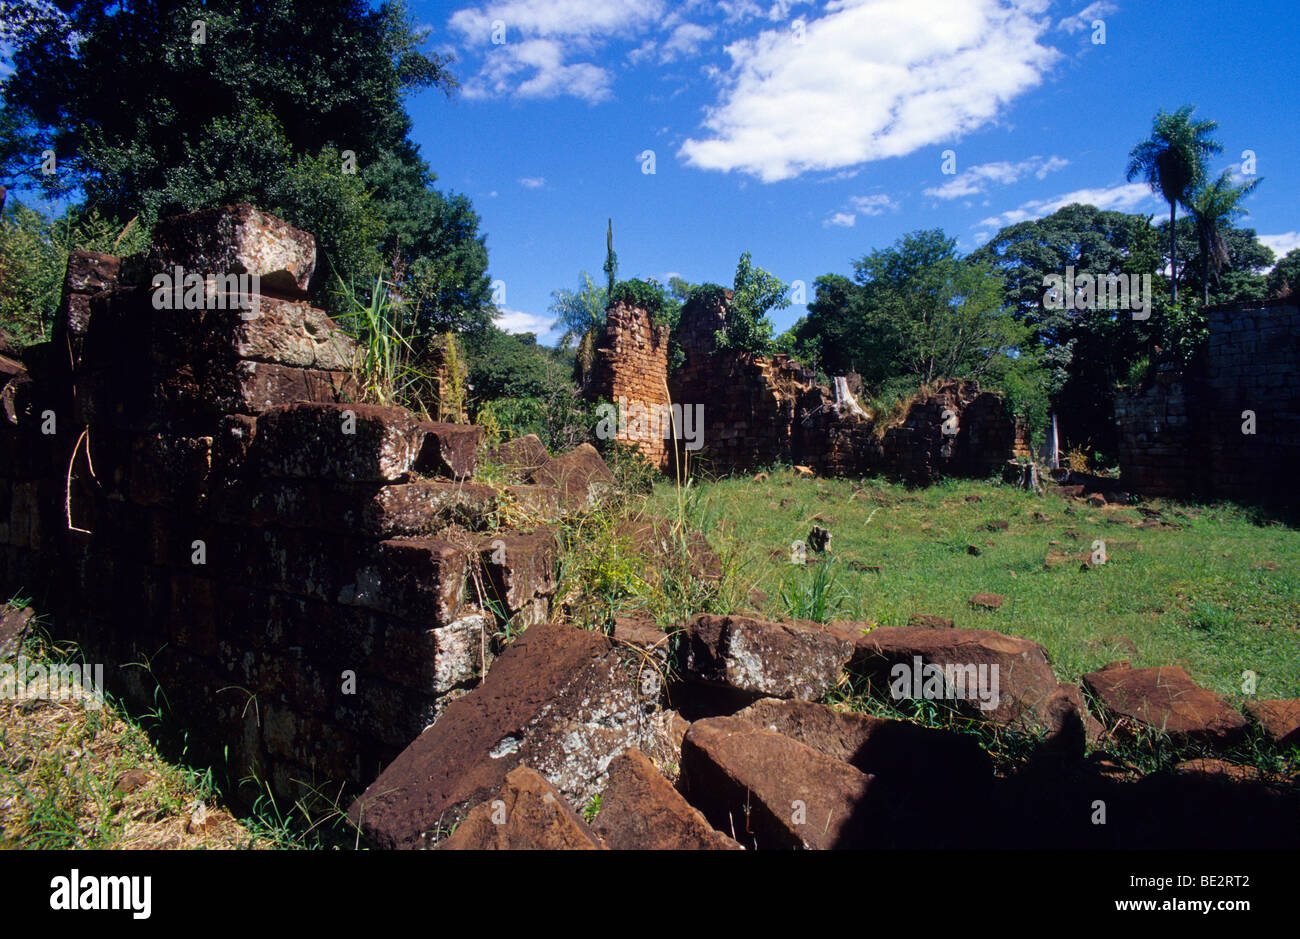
(62, 764)
(1192, 595)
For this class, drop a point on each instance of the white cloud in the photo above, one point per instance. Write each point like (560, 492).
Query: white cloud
(976, 179)
(536, 68)
(1123, 198)
(685, 40)
(517, 321)
(1084, 18)
(540, 37)
(532, 182)
(874, 205)
(1281, 244)
(871, 79)
(571, 19)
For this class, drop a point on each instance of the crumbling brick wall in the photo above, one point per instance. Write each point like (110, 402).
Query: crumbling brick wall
(760, 410)
(631, 372)
(198, 502)
(1185, 434)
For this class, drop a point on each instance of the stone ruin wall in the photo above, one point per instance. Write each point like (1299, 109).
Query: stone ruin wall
(192, 490)
(630, 371)
(1182, 435)
(761, 410)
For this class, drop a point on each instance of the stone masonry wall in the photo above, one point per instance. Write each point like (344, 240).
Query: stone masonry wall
(194, 498)
(1185, 435)
(630, 372)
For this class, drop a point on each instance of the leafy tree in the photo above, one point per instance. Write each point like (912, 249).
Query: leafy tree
(1214, 207)
(1285, 277)
(34, 249)
(1172, 161)
(1085, 352)
(934, 314)
(755, 293)
(274, 107)
(831, 334)
(1241, 276)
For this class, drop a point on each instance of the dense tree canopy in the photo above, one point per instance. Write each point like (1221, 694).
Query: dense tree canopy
(156, 108)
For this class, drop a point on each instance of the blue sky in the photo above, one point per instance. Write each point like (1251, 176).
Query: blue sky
(810, 133)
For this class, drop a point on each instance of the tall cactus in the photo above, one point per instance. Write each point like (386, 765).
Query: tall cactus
(611, 260)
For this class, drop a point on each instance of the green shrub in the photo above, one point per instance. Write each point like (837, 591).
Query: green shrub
(649, 295)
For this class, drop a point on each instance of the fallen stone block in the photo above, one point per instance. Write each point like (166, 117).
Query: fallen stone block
(1070, 726)
(768, 791)
(522, 456)
(909, 757)
(779, 660)
(980, 673)
(580, 476)
(558, 699)
(986, 601)
(641, 811)
(1165, 700)
(526, 814)
(639, 631)
(1279, 719)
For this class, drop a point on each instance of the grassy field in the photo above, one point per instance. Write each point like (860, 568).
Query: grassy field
(1206, 587)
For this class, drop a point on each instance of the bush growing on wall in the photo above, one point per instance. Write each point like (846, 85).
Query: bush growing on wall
(34, 249)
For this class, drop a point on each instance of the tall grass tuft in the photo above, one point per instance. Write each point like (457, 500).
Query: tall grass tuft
(388, 369)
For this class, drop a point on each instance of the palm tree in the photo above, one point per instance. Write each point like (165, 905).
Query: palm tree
(1172, 162)
(1214, 206)
(581, 316)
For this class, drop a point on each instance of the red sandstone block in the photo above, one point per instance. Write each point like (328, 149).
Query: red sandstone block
(517, 567)
(418, 579)
(170, 470)
(437, 661)
(234, 239)
(449, 449)
(346, 442)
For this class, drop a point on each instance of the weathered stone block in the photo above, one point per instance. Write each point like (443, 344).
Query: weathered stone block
(518, 567)
(345, 442)
(527, 813)
(233, 239)
(418, 579)
(558, 699)
(780, 660)
(641, 811)
(1165, 700)
(774, 792)
(995, 677)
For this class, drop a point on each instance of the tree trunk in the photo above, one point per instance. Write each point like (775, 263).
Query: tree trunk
(1205, 269)
(1173, 256)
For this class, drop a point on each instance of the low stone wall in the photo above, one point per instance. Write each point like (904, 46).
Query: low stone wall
(300, 581)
